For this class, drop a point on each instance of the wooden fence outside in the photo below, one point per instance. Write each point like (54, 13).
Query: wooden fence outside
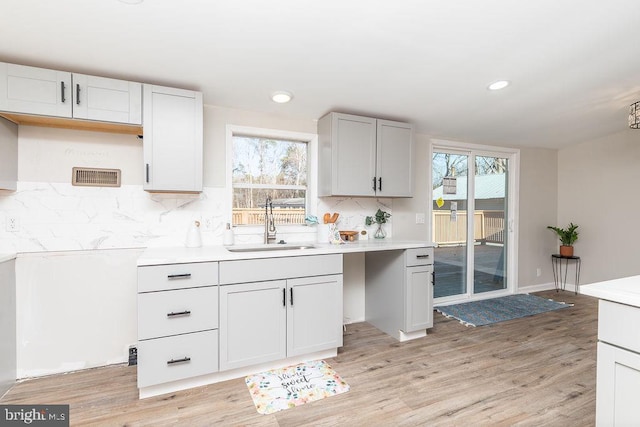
(488, 227)
(256, 216)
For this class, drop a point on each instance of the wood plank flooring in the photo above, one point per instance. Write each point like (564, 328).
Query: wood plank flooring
(535, 371)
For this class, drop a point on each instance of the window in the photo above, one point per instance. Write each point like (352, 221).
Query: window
(264, 166)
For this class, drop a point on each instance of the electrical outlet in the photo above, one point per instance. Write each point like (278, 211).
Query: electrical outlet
(12, 224)
(133, 355)
(420, 218)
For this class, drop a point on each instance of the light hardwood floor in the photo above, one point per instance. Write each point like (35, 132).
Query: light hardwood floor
(534, 371)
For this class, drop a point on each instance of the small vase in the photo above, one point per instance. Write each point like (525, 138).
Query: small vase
(380, 233)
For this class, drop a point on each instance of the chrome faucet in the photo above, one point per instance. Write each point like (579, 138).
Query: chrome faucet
(269, 223)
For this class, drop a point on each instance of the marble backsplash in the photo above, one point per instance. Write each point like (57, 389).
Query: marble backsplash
(62, 217)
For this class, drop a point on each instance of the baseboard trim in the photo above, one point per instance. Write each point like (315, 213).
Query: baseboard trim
(543, 287)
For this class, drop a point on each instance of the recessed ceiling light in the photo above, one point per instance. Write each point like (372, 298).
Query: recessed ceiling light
(281, 97)
(131, 1)
(498, 84)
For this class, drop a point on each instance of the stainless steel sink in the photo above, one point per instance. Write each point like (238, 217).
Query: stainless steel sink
(265, 248)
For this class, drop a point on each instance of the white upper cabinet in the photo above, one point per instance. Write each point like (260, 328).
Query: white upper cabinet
(107, 100)
(173, 139)
(394, 159)
(363, 156)
(39, 91)
(8, 155)
(32, 90)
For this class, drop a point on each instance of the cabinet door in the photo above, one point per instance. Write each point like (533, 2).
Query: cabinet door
(172, 139)
(419, 298)
(314, 320)
(8, 155)
(107, 100)
(618, 386)
(252, 323)
(394, 164)
(32, 90)
(353, 154)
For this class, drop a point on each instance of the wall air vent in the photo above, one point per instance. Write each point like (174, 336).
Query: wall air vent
(94, 177)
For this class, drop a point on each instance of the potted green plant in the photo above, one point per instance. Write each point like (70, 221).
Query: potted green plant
(379, 218)
(567, 236)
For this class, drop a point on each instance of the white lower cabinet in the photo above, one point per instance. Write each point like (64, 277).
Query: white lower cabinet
(618, 369)
(275, 319)
(314, 314)
(177, 322)
(618, 387)
(266, 321)
(399, 291)
(419, 301)
(252, 324)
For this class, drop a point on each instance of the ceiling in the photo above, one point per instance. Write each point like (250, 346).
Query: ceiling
(573, 65)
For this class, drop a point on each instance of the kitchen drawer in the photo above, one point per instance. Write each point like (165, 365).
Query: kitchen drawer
(263, 269)
(175, 312)
(618, 325)
(177, 276)
(174, 358)
(419, 256)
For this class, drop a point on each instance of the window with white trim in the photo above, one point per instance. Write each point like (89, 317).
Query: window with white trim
(268, 167)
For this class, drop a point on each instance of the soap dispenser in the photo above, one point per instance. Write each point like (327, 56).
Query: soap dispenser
(227, 238)
(194, 239)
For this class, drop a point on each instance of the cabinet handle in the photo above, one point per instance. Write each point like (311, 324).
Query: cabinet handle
(422, 256)
(291, 295)
(284, 297)
(174, 361)
(62, 98)
(179, 313)
(433, 278)
(179, 276)
(380, 184)
(374, 183)
(147, 172)
(77, 94)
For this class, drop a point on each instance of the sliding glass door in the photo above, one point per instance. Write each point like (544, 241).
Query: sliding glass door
(449, 223)
(470, 222)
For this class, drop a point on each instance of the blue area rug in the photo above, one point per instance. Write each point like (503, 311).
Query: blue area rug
(486, 312)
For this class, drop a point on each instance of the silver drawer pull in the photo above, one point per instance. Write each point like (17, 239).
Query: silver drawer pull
(179, 276)
(179, 313)
(174, 361)
(422, 256)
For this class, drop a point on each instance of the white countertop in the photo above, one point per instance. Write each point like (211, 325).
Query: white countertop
(7, 256)
(624, 291)
(157, 256)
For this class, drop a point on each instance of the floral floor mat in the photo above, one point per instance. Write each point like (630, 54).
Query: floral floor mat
(285, 388)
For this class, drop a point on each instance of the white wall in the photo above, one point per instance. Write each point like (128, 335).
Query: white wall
(75, 310)
(7, 325)
(538, 209)
(598, 190)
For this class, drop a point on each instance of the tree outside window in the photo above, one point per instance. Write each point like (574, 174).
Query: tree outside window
(268, 167)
